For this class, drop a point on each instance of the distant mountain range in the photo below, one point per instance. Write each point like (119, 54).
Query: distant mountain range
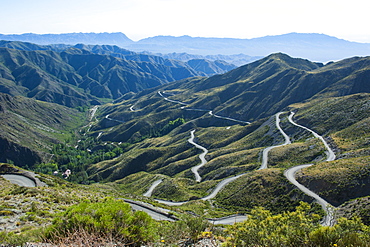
(86, 74)
(312, 46)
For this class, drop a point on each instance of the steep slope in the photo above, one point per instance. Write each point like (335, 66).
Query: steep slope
(237, 149)
(212, 66)
(264, 87)
(256, 90)
(77, 77)
(144, 136)
(30, 128)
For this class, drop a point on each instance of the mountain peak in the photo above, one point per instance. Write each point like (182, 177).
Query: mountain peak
(297, 63)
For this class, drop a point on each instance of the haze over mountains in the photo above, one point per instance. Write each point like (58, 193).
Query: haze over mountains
(315, 47)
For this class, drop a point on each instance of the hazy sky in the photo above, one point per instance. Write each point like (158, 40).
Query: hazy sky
(198, 18)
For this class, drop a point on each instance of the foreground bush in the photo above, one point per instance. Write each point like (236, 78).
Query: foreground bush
(109, 220)
(298, 228)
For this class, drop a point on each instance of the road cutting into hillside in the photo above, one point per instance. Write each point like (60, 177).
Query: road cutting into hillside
(19, 180)
(330, 154)
(210, 112)
(201, 156)
(226, 181)
(158, 213)
(227, 118)
(291, 172)
(152, 187)
(267, 150)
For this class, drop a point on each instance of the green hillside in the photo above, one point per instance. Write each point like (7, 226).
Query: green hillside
(121, 148)
(31, 128)
(235, 147)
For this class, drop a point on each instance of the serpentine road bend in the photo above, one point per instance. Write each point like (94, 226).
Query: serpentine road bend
(290, 175)
(228, 118)
(226, 181)
(19, 180)
(330, 154)
(170, 100)
(201, 156)
(267, 150)
(150, 190)
(194, 109)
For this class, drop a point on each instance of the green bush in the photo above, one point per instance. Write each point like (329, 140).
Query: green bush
(298, 228)
(111, 218)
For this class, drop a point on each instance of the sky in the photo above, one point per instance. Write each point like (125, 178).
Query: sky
(140, 19)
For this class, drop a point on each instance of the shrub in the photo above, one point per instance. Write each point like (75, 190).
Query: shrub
(109, 219)
(298, 228)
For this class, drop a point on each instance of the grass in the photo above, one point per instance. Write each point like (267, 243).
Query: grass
(35, 206)
(297, 153)
(266, 187)
(339, 180)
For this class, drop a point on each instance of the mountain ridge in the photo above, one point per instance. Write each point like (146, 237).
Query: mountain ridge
(72, 76)
(312, 46)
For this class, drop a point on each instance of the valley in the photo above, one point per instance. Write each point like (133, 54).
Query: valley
(271, 133)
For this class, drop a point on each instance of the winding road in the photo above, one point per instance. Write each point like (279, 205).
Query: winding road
(195, 109)
(226, 181)
(291, 172)
(267, 150)
(152, 187)
(201, 157)
(19, 180)
(228, 118)
(331, 154)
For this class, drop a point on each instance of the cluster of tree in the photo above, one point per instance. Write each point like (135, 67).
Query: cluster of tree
(78, 158)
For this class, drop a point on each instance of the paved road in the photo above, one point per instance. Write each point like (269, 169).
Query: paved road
(226, 181)
(154, 212)
(93, 111)
(201, 156)
(220, 186)
(152, 187)
(330, 154)
(112, 119)
(290, 175)
(163, 214)
(267, 150)
(195, 109)
(170, 100)
(19, 180)
(228, 118)
(230, 220)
